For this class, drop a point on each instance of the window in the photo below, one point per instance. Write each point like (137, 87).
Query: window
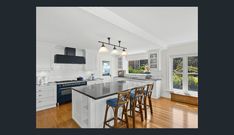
(105, 68)
(138, 66)
(184, 74)
(193, 73)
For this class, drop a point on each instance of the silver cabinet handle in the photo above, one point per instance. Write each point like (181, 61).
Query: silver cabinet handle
(39, 101)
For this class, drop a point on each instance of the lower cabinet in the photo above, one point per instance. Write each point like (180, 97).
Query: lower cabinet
(45, 96)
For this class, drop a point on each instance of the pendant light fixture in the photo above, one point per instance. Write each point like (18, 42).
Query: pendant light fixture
(124, 53)
(103, 49)
(115, 51)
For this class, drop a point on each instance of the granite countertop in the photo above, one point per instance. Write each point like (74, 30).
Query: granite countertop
(96, 79)
(135, 78)
(98, 91)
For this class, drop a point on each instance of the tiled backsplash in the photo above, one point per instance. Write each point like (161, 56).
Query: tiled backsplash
(67, 72)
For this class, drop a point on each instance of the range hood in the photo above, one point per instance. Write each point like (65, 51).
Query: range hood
(69, 57)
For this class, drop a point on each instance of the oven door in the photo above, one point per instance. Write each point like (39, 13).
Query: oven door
(64, 95)
(66, 91)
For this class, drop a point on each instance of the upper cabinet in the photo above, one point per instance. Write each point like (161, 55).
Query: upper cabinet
(91, 60)
(44, 57)
(153, 57)
(120, 63)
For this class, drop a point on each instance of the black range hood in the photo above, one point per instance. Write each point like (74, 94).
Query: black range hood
(69, 57)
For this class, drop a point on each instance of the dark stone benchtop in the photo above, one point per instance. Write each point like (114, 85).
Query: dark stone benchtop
(98, 91)
(136, 78)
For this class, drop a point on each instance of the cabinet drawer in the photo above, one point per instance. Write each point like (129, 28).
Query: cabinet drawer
(45, 94)
(45, 101)
(45, 88)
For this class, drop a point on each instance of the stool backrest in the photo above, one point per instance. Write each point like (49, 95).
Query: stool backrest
(149, 89)
(123, 97)
(139, 91)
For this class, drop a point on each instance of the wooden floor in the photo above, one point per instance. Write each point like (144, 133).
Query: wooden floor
(166, 114)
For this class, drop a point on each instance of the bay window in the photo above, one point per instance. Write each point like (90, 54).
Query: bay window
(184, 73)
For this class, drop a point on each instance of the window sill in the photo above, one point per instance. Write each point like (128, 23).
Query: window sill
(137, 74)
(182, 92)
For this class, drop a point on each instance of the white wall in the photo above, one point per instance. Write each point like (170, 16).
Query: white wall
(62, 71)
(182, 49)
(58, 72)
(113, 64)
(137, 56)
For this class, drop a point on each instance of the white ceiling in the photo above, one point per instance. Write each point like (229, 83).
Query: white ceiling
(139, 28)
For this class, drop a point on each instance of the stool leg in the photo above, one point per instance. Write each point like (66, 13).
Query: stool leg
(115, 117)
(123, 113)
(104, 124)
(126, 115)
(150, 103)
(145, 109)
(133, 113)
(140, 105)
(131, 107)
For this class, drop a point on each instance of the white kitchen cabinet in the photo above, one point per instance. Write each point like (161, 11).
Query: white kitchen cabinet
(91, 60)
(120, 63)
(44, 57)
(46, 96)
(153, 59)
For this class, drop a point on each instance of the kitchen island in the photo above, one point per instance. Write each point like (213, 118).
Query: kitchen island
(89, 102)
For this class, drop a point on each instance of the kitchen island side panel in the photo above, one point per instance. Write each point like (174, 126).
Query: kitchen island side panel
(89, 113)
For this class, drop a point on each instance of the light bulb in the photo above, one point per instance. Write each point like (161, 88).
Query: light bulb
(124, 53)
(103, 49)
(115, 51)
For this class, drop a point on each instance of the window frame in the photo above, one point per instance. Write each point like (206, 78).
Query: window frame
(106, 61)
(184, 74)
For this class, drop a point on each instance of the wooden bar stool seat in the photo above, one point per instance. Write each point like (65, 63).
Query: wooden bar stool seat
(115, 104)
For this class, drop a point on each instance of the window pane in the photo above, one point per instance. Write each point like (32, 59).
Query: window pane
(137, 66)
(193, 82)
(177, 73)
(178, 65)
(177, 81)
(193, 64)
(193, 73)
(106, 68)
(143, 62)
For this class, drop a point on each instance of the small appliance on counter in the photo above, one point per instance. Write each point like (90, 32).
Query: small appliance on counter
(92, 77)
(41, 78)
(80, 78)
(121, 73)
(148, 76)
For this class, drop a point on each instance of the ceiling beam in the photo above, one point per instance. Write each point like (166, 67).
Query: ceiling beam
(115, 19)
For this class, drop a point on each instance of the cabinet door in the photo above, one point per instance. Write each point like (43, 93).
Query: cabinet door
(120, 63)
(91, 60)
(43, 57)
(154, 60)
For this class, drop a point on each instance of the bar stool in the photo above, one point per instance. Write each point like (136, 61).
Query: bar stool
(148, 93)
(136, 97)
(115, 104)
